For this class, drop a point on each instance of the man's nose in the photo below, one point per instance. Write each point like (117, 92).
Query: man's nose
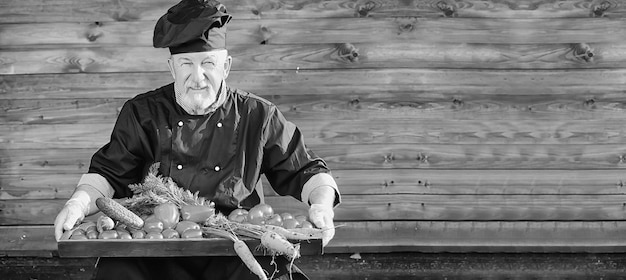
(197, 74)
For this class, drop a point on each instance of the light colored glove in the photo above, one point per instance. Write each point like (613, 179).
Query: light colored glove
(74, 211)
(321, 216)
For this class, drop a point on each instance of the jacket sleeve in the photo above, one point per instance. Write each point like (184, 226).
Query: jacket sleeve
(287, 164)
(122, 160)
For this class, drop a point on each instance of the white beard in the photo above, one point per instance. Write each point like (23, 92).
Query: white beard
(195, 102)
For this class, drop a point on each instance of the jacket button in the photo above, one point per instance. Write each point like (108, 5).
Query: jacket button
(219, 124)
(217, 168)
(179, 167)
(180, 123)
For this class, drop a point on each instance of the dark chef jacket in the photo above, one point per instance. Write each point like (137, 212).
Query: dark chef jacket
(220, 154)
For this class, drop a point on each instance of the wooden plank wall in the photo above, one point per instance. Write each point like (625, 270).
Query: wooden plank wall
(464, 125)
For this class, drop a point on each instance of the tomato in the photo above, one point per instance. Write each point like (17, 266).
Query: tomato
(256, 221)
(168, 213)
(290, 223)
(274, 220)
(87, 225)
(306, 224)
(192, 234)
(138, 234)
(260, 210)
(124, 235)
(78, 232)
(92, 233)
(152, 223)
(286, 215)
(238, 215)
(169, 233)
(183, 226)
(301, 218)
(108, 234)
(154, 235)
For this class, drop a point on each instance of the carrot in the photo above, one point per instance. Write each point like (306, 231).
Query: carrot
(118, 212)
(241, 249)
(279, 245)
(296, 233)
(248, 259)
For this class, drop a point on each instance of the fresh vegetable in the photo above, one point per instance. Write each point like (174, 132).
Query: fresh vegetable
(118, 212)
(92, 234)
(169, 233)
(242, 250)
(104, 223)
(192, 233)
(183, 226)
(305, 224)
(87, 225)
(124, 235)
(296, 234)
(155, 190)
(290, 223)
(275, 220)
(152, 223)
(154, 235)
(108, 234)
(138, 234)
(261, 210)
(238, 215)
(168, 213)
(196, 213)
(248, 259)
(279, 245)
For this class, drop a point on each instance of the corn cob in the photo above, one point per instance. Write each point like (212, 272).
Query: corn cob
(118, 212)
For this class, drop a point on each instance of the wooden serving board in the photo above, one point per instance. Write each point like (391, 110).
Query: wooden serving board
(167, 247)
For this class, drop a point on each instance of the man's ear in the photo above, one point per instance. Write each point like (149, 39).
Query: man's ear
(170, 64)
(227, 63)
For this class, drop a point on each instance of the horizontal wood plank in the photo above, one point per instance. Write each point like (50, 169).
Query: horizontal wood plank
(375, 156)
(414, 106)
(449, 84)
(130, 10)
(324, 56)
(330, 30)
(400, 207)
(385, 181)
(372, 131)
(437, 237)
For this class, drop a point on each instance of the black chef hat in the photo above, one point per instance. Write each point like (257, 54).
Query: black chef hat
(192, 26)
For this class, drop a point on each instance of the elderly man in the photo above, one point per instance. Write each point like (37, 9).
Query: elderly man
(208, 138)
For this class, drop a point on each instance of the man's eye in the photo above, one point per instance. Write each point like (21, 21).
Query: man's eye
(207, 63)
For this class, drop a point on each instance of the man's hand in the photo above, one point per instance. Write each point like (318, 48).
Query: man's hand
(321, 215)
(74, 211)
(70, 215)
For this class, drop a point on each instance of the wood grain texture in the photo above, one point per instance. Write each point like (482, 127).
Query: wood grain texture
(578, 84)
(438, 237)
(375, 156)
(386, 181)
(324, 56)
(373, 131)
(381, 106)
(400, 207)
(329, 31)
(398, 106)
(130, 10)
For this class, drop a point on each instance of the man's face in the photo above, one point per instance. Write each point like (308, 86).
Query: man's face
(198, 75)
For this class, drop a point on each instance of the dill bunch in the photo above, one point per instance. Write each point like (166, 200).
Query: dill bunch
(156, 189)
